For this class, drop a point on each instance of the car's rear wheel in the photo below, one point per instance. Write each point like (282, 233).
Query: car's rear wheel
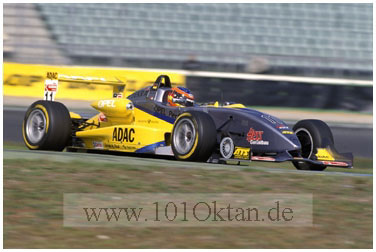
(312, 134)
(47, 126)
(194, 136)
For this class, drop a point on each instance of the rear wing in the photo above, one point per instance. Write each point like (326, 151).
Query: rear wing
(53, 78)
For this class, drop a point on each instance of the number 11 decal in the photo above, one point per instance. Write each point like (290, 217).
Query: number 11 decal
(50, 89)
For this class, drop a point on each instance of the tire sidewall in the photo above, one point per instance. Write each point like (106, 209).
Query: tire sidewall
(205, 138)
(58, 126)
(321, 136)
(320, 132)
(197, 136)
(45, 110)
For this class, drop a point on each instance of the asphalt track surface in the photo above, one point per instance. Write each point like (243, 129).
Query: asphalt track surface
(348, 138)
(67, 157)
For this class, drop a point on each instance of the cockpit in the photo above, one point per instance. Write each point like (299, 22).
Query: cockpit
(163, 92)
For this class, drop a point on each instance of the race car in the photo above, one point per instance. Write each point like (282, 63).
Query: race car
(165, 120)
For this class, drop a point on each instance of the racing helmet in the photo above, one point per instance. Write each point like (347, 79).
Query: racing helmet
(180, 97)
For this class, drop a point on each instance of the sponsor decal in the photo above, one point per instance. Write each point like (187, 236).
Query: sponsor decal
(149, 121)
(255, 137)
(129, 148)
(97, 145)
(160, 110)
(117, 146)
(270, 119)
(335, 163)
(287, 132)
(118, 95)
(323, 154)
(102, 117)
(123, 135)
(281, 126)
(257, 158)
(52, 75)
(242, 153)
(106, 103)
(52, 86)
(50, 89)
(112, 146)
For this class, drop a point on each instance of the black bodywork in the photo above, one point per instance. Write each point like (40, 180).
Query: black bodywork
(269, 138)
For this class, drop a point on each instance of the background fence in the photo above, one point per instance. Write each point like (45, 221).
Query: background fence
(253, 51)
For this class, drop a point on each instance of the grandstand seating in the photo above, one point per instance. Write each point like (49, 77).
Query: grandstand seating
(26, 37)
(312, 36)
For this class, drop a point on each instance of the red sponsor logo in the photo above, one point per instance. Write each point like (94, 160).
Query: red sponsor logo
(254, 135)
(50, 87)
(257, 158)
(97, 145)
(335, 163)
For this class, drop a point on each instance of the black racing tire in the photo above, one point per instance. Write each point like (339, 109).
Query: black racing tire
(47, 126)
(312, 134)
(194, 136)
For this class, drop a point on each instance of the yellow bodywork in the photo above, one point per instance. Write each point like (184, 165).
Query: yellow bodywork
(119, 126)
(74, 115)
(324, 154)
(235, 105)
(125, 128)
(122, 127)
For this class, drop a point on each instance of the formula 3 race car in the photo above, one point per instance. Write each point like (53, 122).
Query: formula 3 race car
(163, 120)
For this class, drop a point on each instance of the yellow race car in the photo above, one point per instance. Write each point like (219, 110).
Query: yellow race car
(165, 120)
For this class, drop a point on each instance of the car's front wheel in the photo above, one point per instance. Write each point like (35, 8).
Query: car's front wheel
(312, 134)
(194, 136)
(47, 126)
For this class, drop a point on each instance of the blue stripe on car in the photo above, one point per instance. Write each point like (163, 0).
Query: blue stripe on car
(151, 148)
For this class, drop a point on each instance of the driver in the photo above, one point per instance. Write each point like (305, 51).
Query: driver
(180, 97)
